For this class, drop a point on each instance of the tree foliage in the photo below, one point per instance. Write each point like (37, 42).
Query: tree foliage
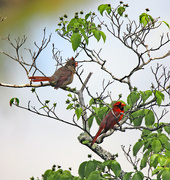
(140, 111)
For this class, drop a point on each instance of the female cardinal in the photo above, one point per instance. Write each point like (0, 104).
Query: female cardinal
(110, 120)
(61, 77)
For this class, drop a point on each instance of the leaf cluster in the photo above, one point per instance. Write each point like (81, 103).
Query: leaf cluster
(88, 170)
(79, 29)
(60, 174)
(14, 101)
(156, 152)
(97, 170)
(139, 99)
(108, 9)
(73, 103)
(145, 19)
(99, 110)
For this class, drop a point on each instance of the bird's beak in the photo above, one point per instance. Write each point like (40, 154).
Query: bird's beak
(123, 104)
(76, 64)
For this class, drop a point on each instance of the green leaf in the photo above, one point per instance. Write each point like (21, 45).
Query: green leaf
(67, 172)
(14, 100)
(137, 147)
(145, 132)
(47, 174)
(63, 177)
(156, 171)
(167, 129)
(116, 168)
(69, 95)
(85, 142)
(75, 40)
(101, 113)
(159, 97)
(166, 175)
(103, 35)
(107, 163)
(11, 101)
(167, 146)
(145, 95)
(104, 7)
(84, 35)
(90, 120)
(88, 15)
(133, 98)
(91, 101)
(145, 18)
(90, 167)
(82, 22)
(81, 170)
(154, 160)
(127, 176)
(43, 107)
(149, 118)
(162, 160)
(143, 162)
(167, 153)
(163, 138)
(78, 112)
(148, 141)
(138, 176)
(121, 10)
(70, 106)
(147, 146)
(166, 24)
(17, 101)
(95, 175)
(156, 145)
(126, 108)
(70, 26)
(97, 34)
(95, 109)
(137, 117)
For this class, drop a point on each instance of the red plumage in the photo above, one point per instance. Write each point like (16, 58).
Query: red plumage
(110, 120)
(39, 78)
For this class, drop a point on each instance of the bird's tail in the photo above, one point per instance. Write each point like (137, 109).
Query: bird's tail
(39, 78)
(97, 134)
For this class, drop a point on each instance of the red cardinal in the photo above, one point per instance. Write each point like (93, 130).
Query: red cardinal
(61, 77)
(110, 120)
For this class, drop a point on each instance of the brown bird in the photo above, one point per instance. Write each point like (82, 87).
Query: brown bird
(61, 77)
(110, 120)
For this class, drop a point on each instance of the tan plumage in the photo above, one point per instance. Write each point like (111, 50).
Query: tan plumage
(61, 77)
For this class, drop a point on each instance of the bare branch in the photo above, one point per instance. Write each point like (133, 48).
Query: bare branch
(82, 103)
(40, 48)
(129, 158)
(105, 155)
(37, 86)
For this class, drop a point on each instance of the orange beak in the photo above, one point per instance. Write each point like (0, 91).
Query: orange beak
(76, 64)
(123, 104)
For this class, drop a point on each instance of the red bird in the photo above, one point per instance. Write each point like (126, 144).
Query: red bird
(110, 120)
(61, 77)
